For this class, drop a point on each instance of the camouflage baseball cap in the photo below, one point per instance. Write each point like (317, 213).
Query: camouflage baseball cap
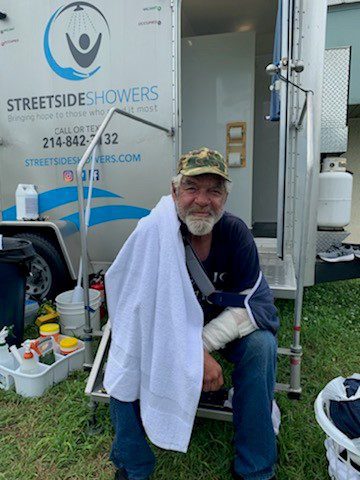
(204, 160)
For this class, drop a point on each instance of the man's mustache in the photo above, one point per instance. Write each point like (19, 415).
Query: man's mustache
(192, 212)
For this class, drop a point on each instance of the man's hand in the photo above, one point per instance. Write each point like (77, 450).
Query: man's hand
(213, 378)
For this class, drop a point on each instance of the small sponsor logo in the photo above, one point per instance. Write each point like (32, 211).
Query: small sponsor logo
(4, 30)
(86, 174)
(96, 175)
(68, 176)
(150, 9)
(4, 43)
(149, 22)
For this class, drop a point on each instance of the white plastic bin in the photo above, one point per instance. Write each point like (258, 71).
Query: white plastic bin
(72, 315)
(35, 385)
(60, 368)
(6, 379)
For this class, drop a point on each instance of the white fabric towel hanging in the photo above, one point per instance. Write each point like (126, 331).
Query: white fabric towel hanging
(156, 352)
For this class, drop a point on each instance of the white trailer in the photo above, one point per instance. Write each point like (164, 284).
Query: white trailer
(194, 70)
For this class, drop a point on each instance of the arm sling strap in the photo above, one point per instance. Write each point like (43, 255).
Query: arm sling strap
(199, 275)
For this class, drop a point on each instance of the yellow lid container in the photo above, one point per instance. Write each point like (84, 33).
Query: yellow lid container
(68, 345)
(49, 329)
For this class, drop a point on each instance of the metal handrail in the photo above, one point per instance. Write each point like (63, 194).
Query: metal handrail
(310, 161)
(170, 132)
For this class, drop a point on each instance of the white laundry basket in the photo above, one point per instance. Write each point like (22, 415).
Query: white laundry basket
(72, 315)
(343, 454)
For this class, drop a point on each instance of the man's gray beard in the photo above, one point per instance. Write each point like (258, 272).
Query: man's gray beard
(199, 226)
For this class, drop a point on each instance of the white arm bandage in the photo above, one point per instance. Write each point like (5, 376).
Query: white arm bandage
(232, 323)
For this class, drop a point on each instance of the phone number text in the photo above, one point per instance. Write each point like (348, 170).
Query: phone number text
(79, 140)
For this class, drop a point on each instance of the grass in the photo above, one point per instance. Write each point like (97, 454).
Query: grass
(47, 438)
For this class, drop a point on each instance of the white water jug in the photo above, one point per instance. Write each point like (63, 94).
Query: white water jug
(26, 202)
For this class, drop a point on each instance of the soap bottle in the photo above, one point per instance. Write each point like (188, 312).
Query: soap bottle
(6, 358)
(29, 364)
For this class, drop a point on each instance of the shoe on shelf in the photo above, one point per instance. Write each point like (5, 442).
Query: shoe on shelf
(356, 249)
(338, 253)
(120, 474)
(239, 477)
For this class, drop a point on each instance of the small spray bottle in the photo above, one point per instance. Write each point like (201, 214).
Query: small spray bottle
(6, 358)
(28, 363)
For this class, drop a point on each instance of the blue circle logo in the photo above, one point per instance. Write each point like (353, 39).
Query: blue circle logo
(73, 38)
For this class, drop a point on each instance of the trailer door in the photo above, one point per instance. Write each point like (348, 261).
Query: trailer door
(64, 64)
(306, 28)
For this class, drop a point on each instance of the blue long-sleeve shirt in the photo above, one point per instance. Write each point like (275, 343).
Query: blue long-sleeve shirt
(233, 266)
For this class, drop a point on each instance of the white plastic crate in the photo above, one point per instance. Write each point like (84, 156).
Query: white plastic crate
(35, 385)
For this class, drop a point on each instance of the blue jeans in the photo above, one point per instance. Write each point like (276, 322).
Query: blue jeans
(130, 449)
(254, 359)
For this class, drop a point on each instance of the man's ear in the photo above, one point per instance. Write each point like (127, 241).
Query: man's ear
(173, 191)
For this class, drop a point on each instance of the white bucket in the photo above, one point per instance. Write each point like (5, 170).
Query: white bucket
(72, 315)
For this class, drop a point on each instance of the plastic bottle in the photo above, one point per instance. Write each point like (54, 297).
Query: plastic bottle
(68, 345)
(50, 330)
(28, 363)
(6, 358)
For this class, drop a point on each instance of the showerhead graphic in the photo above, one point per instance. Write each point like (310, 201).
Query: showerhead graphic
(73, 39)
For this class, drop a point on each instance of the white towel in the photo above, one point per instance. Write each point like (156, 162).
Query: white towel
(156, 352)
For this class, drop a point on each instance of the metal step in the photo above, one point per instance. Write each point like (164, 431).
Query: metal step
(99, 395)
(280, 274)
(95, 389)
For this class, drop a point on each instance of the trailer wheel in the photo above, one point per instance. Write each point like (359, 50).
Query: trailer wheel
(49, 275)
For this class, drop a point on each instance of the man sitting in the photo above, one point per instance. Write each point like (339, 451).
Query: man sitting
(244, 335)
